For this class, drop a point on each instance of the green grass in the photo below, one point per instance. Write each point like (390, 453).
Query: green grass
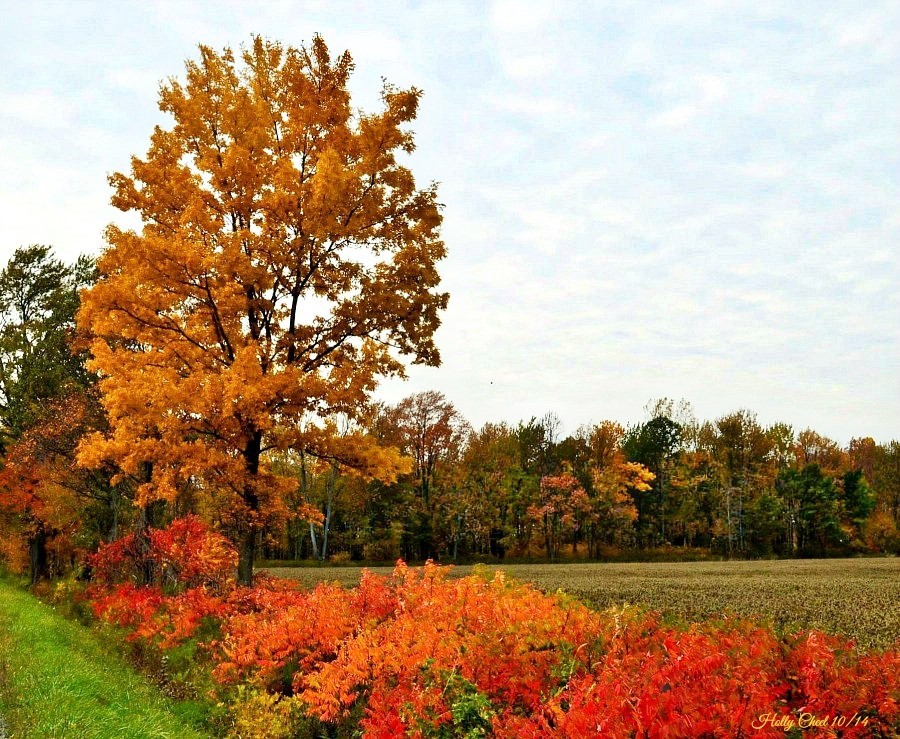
(856, 598)
(58, 680)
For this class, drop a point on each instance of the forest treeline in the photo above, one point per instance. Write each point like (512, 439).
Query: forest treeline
(723, 487)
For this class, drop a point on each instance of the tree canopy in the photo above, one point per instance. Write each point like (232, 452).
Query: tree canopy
(287, 261)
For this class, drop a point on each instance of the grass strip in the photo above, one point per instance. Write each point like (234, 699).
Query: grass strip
(57, 680)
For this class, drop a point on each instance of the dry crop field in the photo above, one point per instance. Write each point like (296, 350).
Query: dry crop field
(859, 598)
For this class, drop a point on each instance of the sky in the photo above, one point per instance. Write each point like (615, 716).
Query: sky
(691, 199)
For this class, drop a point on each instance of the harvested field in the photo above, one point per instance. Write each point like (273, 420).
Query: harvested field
(858, 598)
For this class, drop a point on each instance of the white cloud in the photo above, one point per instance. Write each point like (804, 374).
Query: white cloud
(675, 117)
(37, 108)
(764, 170)
(527, 105)
(132, 80)
(520, 16)
(530, 66)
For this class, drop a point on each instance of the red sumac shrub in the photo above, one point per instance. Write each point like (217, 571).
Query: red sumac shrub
(424, 655)
(190, 553)
(126, 604)
(185, 554)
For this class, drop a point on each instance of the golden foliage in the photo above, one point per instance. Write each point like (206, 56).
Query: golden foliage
(286, 263)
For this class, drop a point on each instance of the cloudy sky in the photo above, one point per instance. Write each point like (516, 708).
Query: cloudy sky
(690, 199)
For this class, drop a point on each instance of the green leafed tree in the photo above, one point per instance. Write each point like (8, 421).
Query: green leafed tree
(38, 301)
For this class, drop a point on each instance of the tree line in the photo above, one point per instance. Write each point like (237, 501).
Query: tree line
(727, 487)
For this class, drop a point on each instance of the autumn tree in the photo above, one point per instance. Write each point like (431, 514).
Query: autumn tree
(44, 394)
(615, 483)
(562, 502)
(744, 450)
(863, 453)
(428, 428)
(605, 442)
(431, 430)
(286, 262)
(492, 478)
(697, 487)
(886, 479)
(612, 484)
(45, 501)
(813, 448)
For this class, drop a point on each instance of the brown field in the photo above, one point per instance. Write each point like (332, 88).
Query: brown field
(859, 598)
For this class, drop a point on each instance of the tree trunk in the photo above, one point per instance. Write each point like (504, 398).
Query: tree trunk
(247, 542)
(304, 491)
(142, 545)
(662, 503)
(325, 529)
(142, 532)
(114, 504)
(728, 517)
(313, 540)
(329, 508)
(37, 549)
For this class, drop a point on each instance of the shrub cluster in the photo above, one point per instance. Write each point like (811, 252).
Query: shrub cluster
(419, 654)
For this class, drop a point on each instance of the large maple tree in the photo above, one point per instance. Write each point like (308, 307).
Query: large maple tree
(286, 262)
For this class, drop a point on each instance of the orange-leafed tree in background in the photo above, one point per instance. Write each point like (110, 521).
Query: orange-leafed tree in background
(285, 264)
(613, 511)
(44, 502)
(563, 501)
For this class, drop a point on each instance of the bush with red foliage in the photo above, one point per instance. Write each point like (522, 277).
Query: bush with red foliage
(186, 558)
(424, 655)
(185, 554)
(126, 604)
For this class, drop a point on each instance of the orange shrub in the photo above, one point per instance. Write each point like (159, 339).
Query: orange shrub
(422, 655)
